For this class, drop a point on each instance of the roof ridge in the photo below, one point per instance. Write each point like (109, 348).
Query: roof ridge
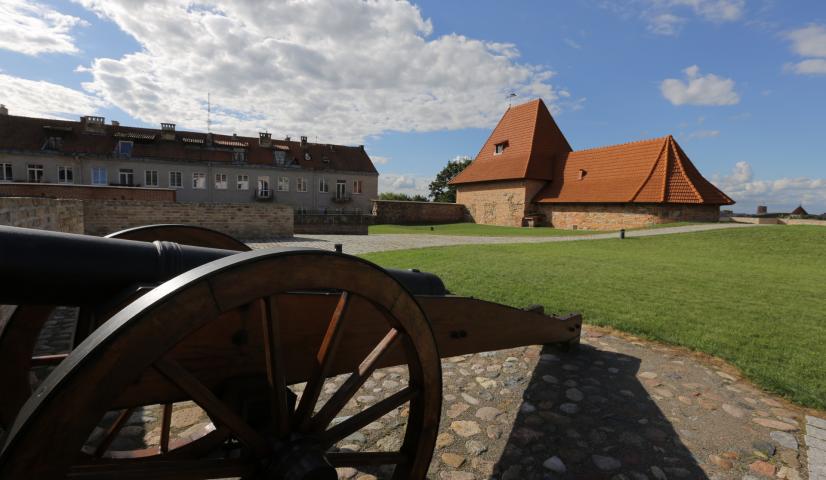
(689, 180)
(535, 124)
(604, 147)
(653, 168)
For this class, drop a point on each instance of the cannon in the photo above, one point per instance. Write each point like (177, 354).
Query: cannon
(250, 337)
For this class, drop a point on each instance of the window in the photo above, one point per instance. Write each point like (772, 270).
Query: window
(499, 148)
(175, 180)
(239, 157)
(99, 176)
(65, 175)
(5, 172)
(264, 187)
(279, 157)
(35, 173)
(341, 189)
(126, 177)
(220, 181)
(199, 181)
(243, 182)
(125, 148)
(150, 178)
(357, 185)
(283, 184)
(301, 184)
(53, 143)
(323, 186)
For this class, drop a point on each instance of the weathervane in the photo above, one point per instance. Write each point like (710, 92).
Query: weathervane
(510, 98)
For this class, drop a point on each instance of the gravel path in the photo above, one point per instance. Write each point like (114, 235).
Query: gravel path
(358, 244)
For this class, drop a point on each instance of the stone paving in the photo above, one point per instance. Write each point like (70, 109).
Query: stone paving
(358, 244)
(816, 441)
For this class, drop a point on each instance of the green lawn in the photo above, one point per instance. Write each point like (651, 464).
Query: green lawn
(755, 297)
(491, 230)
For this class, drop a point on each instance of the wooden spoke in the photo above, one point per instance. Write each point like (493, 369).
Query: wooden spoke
(356, 379)
(324, 361)
(112, 432)
(48, 360)
(213, 406)
(166, 426)
(163, 470)
(359, 459)
(276, 378)
(373, 413)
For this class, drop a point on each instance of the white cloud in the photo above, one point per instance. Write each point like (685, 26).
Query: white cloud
(571, 43)
(379, 160)
(780, 194)
(404, 183)
(704, 134)
(32, 28)
(44, 99)
(667, 17)
(809, 41)
(699, 89)
(340, 70)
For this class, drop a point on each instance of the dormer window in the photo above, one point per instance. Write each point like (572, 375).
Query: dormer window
(53, 143)
(499, 148)
(279, 157)
(124, 148)
(582, 173)
(239, 157)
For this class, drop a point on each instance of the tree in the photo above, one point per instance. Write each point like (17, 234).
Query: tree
(440, 191)
(402, 197)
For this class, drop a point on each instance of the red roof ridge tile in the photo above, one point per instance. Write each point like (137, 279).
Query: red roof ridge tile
(633, 142)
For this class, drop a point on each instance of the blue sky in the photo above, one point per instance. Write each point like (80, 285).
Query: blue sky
(741, 84)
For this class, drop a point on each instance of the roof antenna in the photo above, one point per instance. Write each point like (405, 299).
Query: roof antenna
(209, 113)
(511, 96)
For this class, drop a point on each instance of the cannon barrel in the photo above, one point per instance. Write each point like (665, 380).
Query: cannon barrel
(52, 268)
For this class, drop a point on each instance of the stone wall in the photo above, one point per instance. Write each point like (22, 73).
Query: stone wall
(62, 215)
(617, 216)
(245, 221)
(86, 192)
(411, 213)
(347, 224)
(496, 203)
(779, 221)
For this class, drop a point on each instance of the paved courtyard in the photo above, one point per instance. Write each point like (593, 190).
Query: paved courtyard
(358, 244)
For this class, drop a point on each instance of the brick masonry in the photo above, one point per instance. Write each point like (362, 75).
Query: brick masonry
(410, 213)
(62, 215)
(244, 221)
(85, 192)
(499, 203)
(617, 216)
(331, 224)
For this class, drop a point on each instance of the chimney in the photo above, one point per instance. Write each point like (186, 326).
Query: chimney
(115, 123)
(762, 210)
(3, 110)
(167, 131)
(303, 140)
(287, 138)
(92, 124)
(265, 139)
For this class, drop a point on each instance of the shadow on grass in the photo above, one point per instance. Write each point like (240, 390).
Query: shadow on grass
(588, 408)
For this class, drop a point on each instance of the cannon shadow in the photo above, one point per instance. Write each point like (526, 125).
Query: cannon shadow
(587, 408)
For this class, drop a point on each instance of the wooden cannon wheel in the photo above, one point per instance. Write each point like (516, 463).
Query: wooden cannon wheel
(171, 345)
(21, 331)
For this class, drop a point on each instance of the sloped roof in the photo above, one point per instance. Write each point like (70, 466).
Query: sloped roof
(648, 171)
(29, 134)
(532, 142)
(799, 211)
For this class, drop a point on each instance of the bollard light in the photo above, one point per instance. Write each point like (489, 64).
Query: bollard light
(622, 233)
(339, 248)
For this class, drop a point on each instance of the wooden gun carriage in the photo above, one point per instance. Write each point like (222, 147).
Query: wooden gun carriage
(171, 314)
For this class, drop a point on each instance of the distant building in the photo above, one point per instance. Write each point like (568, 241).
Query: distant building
(762, 210)
(201, 167)
(799, 211)
(527, 168)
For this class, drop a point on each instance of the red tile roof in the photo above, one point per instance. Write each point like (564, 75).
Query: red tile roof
(30, 134)
(648, 171)
(532, 141)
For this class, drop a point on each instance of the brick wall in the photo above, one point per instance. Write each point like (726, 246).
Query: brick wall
(411, 213)
(86, 192)
(499, 203)
(355, 224)
(62, 215)
(245, 221)
(615, 217)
